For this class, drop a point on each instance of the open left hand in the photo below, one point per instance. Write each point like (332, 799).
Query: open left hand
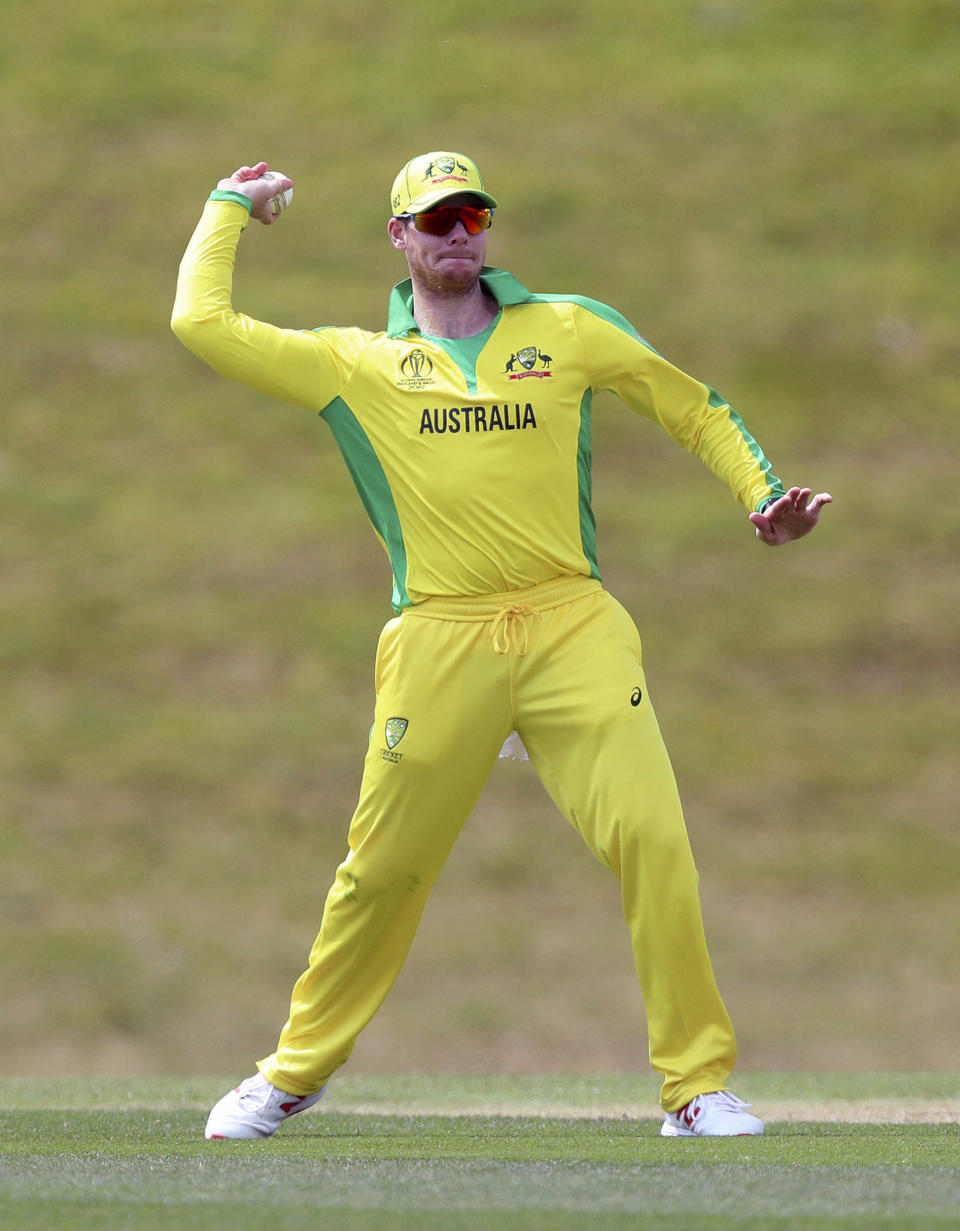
(790, 517)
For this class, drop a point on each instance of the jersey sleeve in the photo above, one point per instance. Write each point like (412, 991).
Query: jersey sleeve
(620, 361)
(307, 368)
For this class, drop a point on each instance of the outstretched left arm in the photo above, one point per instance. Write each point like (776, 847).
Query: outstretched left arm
(789, 517)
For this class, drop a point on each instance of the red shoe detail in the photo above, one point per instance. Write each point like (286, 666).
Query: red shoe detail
(686, 1115)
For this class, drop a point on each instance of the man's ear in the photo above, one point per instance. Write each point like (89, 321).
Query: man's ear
(398, 233)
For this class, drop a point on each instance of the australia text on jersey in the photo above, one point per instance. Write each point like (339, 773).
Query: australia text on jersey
(495, 418)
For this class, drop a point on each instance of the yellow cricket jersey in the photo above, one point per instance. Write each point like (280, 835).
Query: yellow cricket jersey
(472, 456)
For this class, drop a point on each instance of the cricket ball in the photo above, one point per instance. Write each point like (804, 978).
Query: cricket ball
(280, 200)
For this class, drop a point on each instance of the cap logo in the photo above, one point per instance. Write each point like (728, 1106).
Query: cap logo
(446, 165)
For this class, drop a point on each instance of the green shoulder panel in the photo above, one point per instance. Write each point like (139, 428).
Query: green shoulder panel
(604, 311)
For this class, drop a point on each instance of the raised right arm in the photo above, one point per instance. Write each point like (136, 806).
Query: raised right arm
(295, 366)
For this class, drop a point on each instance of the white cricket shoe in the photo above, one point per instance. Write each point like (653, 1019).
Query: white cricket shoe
(255, 1109)
(720, 1114)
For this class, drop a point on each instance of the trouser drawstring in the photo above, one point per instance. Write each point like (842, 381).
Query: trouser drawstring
(509, 629)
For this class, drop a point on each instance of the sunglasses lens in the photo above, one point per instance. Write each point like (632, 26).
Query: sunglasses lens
(476, 220)
(441, 221)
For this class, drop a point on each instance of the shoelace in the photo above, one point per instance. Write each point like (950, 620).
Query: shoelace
(257, 1098)
(728, 1098)
(509, 629)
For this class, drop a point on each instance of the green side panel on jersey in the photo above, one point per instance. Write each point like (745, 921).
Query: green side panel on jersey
(466, 351)
(371, 483)
(588, 522)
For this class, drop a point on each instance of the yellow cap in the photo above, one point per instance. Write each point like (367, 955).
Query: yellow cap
(430, 178)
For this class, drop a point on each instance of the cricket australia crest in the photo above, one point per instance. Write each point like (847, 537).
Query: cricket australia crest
(445, 167)
(394, 729)
(527, 357)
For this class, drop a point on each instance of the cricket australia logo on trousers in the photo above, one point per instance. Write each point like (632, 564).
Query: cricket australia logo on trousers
(394, 730)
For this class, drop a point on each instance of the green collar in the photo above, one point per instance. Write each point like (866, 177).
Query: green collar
(503, 286)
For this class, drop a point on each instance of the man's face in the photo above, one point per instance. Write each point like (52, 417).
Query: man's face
(450, 262)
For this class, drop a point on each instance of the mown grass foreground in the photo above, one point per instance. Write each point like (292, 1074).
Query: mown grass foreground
(84, 1154)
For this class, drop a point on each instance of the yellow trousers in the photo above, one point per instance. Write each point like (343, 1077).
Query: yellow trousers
(560, 664)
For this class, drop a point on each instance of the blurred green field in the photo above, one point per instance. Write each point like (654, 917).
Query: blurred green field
(191, 595)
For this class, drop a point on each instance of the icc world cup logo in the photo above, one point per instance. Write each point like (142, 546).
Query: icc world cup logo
(416, 370)
(417, 364)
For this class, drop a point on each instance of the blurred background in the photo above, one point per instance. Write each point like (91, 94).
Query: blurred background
(191, 595)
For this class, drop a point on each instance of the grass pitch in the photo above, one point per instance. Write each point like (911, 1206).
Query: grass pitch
(79, 1155)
